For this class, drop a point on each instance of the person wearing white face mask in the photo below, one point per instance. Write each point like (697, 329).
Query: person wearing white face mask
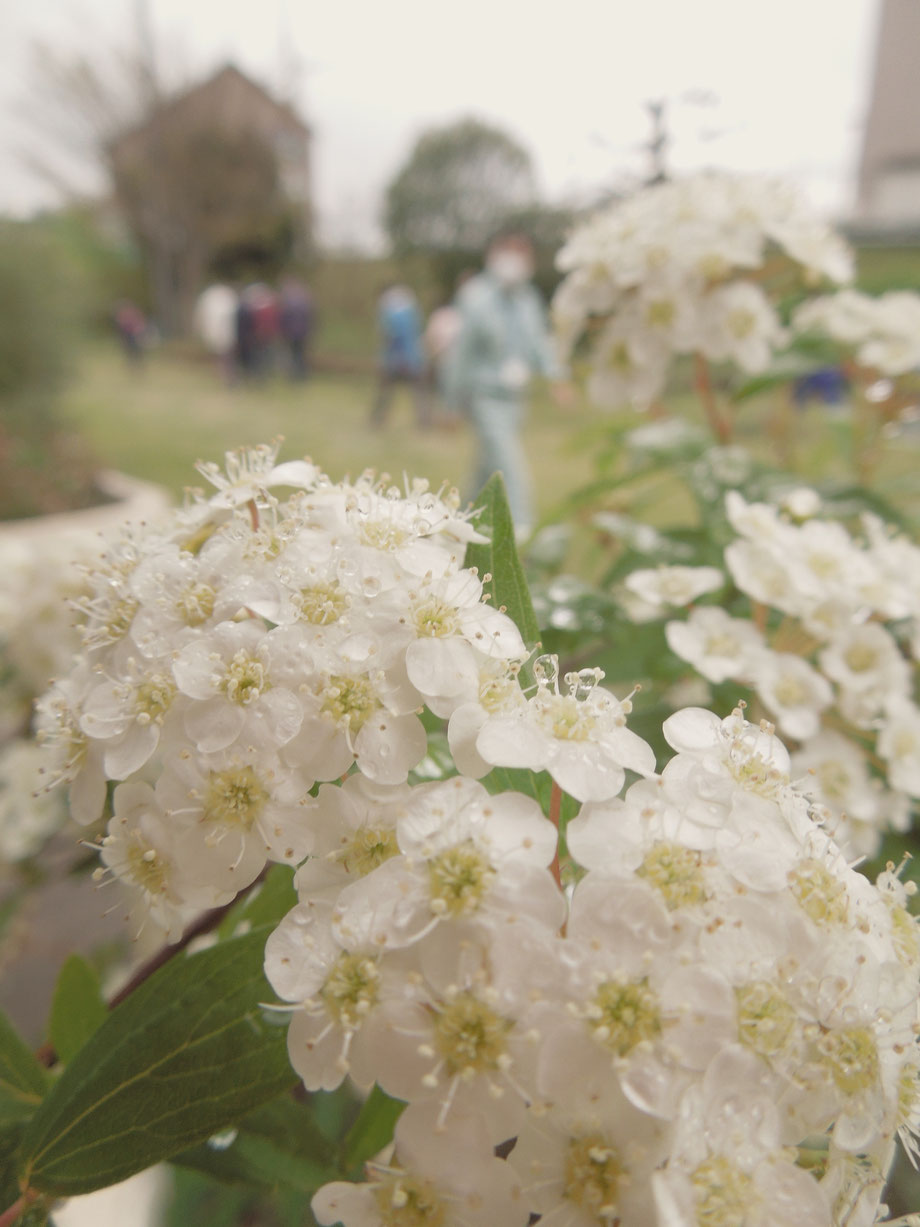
(503, 341)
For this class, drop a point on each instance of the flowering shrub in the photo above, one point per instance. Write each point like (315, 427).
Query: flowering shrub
(38, 640)
(689, 267)
(568, 984)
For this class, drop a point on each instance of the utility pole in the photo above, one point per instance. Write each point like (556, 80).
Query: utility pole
(658, 141)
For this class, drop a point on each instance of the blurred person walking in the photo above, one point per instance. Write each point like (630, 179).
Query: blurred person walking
(402, 359)
(215, 324)
(296, 321)
(131, 326)
(256, 330)
(502, 342)
(441, 333)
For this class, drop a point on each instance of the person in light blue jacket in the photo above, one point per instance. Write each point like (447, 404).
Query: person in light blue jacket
(502, 342)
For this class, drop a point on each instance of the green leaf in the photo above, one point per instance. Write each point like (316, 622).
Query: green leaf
(272, 899)
(277, 1146)
(187, 1054)
(10, 1137)
(500, 559)
(78, 1008)
(372, 1130)
(22, 1079)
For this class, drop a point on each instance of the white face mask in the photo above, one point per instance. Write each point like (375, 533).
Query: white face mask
(509, 267)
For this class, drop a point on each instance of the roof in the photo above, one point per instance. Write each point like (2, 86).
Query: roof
(229, 81)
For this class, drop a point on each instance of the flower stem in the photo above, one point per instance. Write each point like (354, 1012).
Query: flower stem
(555, 805)
(719, 424)
(8, 1217)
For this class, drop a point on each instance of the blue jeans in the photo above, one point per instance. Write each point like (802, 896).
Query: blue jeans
(497, 422)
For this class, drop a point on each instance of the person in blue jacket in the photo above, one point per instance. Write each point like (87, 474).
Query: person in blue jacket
(402, 357)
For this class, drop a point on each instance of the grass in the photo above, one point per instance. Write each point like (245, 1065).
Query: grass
(156, 423)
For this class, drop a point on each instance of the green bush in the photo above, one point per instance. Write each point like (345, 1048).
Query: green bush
(42, 468)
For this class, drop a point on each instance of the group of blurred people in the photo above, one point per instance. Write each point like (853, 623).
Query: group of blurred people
(475, 358)
(257, 330)
(472, 359)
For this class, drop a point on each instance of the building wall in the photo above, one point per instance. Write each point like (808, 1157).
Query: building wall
(889, 173)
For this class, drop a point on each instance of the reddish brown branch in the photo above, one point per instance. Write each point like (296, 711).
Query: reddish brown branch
(206, 923)
(718, 423)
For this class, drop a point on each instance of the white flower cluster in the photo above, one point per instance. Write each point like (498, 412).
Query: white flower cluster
(832, 660)
(252, 648)
(676, 269)
(712, 1025)
(38, 636)
(883, 331)
(38, 640)
(715, 1027)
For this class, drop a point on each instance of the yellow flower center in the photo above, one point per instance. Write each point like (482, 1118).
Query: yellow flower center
(369, 847)
(724, 1195)
(820, 895)
(458, 878)
(851, 1055)
(592, 1176)
(234, 798)
(676, 872)
(470, 1035)
(244, 678)
(403, 1201)
(350, 701)
(765, 1018)
(196, 604)
(622, 1014)
(350, 991)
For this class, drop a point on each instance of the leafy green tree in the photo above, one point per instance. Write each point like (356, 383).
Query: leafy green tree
(459, 185)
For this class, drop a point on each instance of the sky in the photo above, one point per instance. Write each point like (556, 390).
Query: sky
(780, 87)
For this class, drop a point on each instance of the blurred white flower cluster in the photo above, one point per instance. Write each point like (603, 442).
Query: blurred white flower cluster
(38, 641)
(830, 651)
(884, 332)
(712, 1024)
(685, 267)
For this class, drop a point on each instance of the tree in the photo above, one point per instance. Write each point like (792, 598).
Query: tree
(199, 190)
(459, 185)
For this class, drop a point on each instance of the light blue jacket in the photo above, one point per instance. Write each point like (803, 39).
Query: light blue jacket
(503, 339)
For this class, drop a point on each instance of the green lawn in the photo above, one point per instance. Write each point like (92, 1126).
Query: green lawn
(156, 423)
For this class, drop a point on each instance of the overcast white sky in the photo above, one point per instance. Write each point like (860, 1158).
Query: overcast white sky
(779, 87)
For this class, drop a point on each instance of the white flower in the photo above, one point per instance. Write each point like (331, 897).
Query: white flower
(442, 1179)
(899, 744)
(717, 645)
(464, 854)
(140, 849)
(334, 989)
(838, 780)
(27, 817)
(251, 472)
(127, 715)
(869, 669)
(236, 809)
(792, 691)
(667, 586)
(449, 630)
(738, 324)
(734, 1169)
(577, 734)
(229, 671)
